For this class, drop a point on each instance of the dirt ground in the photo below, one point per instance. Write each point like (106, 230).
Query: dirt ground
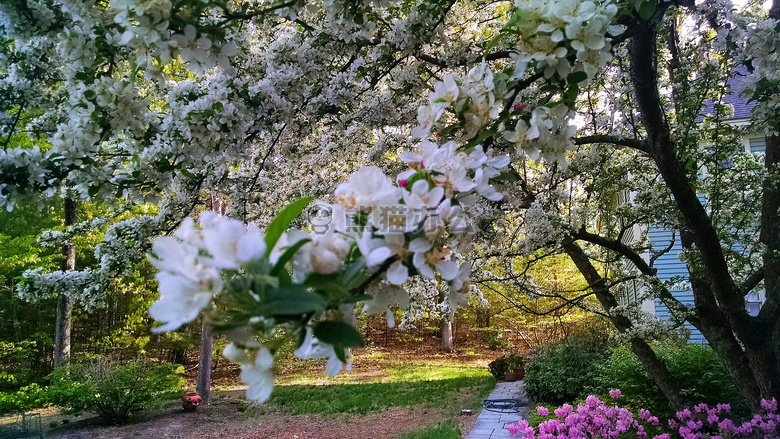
(230, 416)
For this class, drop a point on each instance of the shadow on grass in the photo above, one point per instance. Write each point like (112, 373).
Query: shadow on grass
(365, 398)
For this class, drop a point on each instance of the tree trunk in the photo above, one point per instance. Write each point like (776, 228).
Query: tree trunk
(655, 368)
(204, 364)
(719, 336)
(722, 291)
(446, 335)
(64, 301)
(203, 387)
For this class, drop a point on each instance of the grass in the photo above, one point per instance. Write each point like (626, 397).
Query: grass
(444, 430)
(442, 385)
(365, 398)
(426, 385)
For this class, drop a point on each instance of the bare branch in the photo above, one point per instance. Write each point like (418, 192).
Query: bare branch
(751, 282)
(637, 144)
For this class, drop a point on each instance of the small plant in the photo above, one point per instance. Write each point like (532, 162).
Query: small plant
(505, 363)
(113, 392)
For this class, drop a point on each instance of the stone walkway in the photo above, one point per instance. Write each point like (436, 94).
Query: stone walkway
(492, 425)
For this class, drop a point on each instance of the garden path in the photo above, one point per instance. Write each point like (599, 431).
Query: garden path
(492, 425)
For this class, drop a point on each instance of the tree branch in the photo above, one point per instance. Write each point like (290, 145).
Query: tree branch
(637, 144)
(751, 282)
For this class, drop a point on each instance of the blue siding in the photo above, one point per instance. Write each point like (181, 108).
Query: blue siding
(670, 266)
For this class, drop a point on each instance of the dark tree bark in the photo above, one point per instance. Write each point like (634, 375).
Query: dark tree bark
(716, 293)
(64, 301)
(655, 368)
(203, 386)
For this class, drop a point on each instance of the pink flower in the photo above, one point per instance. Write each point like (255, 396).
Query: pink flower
(592, 401)
(727, 426)
(615, 393)
(564, 411)
(769, 405)
(644, 414)
(542, 411)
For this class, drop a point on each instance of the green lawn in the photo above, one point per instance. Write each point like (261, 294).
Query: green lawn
(426, 384)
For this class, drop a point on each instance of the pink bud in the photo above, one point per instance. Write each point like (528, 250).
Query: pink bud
(403, 183)
(422, 165)
(438, 134)
(518, 106)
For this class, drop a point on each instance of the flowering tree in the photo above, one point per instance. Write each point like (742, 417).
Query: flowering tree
(538, 108)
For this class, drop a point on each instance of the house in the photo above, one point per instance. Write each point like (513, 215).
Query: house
(669, 266)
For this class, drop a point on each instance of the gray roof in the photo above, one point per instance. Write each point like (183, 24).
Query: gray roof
(741, 106)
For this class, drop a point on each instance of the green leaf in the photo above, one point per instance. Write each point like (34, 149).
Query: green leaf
(93, 190)
(288, 254)
(291, 300)
(507, 176)
(339, 334)
(330, 284)
(576, 77)
(283, 221)
(646, 10)
(353, 274)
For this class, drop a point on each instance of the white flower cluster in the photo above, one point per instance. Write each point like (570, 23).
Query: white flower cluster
(85, 286)
(759, 44)
(411, 227)
(188, 278)
(477, 98)
(31, 162)
(147, 30)
(548, 134)
(57, 238)
(550, 31)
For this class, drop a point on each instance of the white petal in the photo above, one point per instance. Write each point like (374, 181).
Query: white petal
(236, 354)
(448, 269)
(378, 255)
(421, 266)
(397, 274)
(334, 365)
(251, 245)
(304, 351)
(420, 245)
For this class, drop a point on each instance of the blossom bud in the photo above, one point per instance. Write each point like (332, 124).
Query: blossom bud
(403, 183)
(518, 106)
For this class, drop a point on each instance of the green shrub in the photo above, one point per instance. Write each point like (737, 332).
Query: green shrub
(113, 392)
(697, 369)
(27, 398)
(556, 373)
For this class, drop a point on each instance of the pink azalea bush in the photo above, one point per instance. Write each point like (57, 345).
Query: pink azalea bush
(594, 419)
